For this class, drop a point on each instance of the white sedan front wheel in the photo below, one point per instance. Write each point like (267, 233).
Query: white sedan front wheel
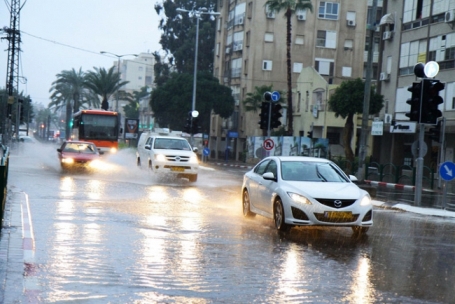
(278, 216)
(246, 204)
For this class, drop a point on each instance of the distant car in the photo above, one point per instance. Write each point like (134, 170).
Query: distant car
(305, 191)
(165, 154)
(79, 155)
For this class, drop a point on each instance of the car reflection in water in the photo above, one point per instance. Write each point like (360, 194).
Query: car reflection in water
(79, 155)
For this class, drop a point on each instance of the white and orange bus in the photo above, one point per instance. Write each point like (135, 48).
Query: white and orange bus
(97, 126)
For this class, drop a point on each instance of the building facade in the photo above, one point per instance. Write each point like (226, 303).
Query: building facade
(250, 51)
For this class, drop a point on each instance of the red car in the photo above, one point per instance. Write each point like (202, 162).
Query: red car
(78, 154)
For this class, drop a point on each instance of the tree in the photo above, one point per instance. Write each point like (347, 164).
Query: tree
(132, 109)
(161, 69)
(73, 82)
(103, 83)
(346, 101)
(179, 35)
(290, 7)
(172, 101)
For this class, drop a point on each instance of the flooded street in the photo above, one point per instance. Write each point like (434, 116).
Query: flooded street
(123, 235)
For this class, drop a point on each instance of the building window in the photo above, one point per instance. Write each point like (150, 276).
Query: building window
(415, 10)
(238, 41)
(297, 67)
(245, 67)
(324, 66)
(346, 72)
(247, 38)
(268, 37)
(411, 53)
(249, 11)
(334, 138)
(299, 39)
(140, 69)
(236, 67)
(266, 65)
(326, 39)
(450, 53)
(328, 10)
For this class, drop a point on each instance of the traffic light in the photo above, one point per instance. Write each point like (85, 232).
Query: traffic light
(264, 115)
(310, 134)
(430, 101)
(187, 127)
(275, 117)
(435, 133)
(21, 111)
(195, 127)
(414, 101)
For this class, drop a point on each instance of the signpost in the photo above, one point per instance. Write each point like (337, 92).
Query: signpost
(447, 173)
(268, 144)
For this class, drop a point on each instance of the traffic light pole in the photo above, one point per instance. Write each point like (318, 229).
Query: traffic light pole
(269, 120)
(419, 173)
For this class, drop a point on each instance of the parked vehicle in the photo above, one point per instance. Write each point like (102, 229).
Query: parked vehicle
(167, 155)
(305, 191)
(79, 155)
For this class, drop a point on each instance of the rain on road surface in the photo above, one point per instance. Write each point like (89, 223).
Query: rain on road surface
(124, 236)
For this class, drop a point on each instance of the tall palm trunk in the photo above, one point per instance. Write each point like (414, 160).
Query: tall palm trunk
(288, 63)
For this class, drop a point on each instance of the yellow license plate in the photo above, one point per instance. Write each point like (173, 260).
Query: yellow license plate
(335, 215)
(178, 169)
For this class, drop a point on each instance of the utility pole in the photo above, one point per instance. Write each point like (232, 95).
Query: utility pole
(12, 77)
(366, 97)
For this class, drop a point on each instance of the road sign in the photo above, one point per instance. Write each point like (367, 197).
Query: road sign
(377, 128)
(206, 151)
(275, 96)
(447, 171)
(415, 148)
(268, 144)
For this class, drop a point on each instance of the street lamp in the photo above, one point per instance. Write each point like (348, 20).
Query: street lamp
(118, 70)
(196, 13)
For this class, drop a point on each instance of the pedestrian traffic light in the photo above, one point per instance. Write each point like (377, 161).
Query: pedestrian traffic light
(414, 101)
(275, 116)
(187, 127)
(310, 134)
(264, 115)
(430, 101)
(435, 132)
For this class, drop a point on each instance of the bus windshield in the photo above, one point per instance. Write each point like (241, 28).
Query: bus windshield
(100, 127)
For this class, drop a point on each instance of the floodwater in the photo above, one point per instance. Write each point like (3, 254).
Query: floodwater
(123, 235)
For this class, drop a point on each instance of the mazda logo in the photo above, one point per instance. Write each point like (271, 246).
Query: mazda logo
(338, 203)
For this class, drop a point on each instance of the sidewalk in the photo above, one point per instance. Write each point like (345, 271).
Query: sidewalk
(17, 251)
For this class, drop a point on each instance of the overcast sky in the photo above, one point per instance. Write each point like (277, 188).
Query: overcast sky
(60, 35)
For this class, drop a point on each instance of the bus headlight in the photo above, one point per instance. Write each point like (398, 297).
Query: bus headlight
(113, 150)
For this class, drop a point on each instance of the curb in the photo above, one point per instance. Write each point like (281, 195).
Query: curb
(390, 185)
(233, 165)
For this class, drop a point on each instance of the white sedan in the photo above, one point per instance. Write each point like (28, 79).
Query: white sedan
(305, 191)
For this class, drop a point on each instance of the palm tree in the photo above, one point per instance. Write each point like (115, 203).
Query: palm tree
(290, 7)
(253, 100)
(104, 83)
(74, 85)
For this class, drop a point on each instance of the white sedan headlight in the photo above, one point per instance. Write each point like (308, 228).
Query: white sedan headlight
(300, 199)
(67, 160)
(160, 157)
(366, 201)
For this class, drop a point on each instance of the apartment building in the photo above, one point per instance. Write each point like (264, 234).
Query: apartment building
(415, 31)
(328, 47)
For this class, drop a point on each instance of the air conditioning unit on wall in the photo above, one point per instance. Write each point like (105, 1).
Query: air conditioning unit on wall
(384, 76)
(301, 17)
(350, 22)
(449, 16)
(387, 35)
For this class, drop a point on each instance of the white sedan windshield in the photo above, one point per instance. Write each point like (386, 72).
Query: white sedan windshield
(312, 172)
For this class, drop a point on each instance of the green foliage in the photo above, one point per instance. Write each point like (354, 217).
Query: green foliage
(103, 83)
(131, 110)
(179, 35)
(173, 100)
(348, 99)
(253, 100)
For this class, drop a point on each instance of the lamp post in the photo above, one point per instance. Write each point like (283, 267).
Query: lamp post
(118, 71)
(196, 13)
